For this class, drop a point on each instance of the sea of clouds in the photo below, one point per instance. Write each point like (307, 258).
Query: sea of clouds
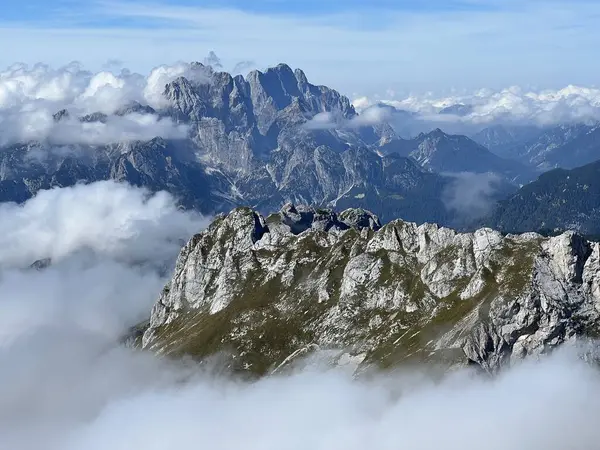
(66, 383)
(513, 106)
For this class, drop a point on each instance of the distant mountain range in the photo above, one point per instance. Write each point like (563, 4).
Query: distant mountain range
(566, 146)
(258, 142)
(440, 152)
(249, 143)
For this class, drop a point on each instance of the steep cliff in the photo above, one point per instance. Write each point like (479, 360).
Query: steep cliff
(265, 290)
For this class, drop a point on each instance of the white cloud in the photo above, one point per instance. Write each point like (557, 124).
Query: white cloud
(111, 219)
(112, 247)
(39, 125)
(87, 294)
(471, 195)
(512, 105)
(373, 115)
(528, 409)
(30, 96)
(324, 121)
(71, 86)
(119, 400)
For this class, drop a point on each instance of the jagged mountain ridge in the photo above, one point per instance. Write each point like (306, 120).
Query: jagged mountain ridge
(266, 290)
(248, 144)
(502, 139)
(440, 152)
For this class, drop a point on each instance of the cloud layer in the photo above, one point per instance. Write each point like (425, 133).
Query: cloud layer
(30, 96)
(110, 246)
(370, 116)
(23, 87)
(40, 126)
(529, 409)
(513, 106)
(108, 218)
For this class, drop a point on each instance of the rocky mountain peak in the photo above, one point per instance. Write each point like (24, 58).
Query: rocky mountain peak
(185, 99)
(459, 109)
(179, 88)
(201, 73)
(135, 107)
(305, 279)
(41, 264)
(279, 82)
(301, 78)
(298, 219)
(436, 134)
(441, 152)
(257, 99)
(61, 115)
(360, 218)
(94, 117)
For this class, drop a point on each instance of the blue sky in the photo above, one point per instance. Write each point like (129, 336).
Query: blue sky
(363, 47)
(37, 9)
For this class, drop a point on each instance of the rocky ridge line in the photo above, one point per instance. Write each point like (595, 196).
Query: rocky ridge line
(264, 289)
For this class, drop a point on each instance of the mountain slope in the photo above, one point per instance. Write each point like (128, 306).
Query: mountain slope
(502, 139)
(559, 200)
(562, 146)
(267, 290)
(441, 152)
(582, 148)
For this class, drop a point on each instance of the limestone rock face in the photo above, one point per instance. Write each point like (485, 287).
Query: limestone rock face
(265, 289)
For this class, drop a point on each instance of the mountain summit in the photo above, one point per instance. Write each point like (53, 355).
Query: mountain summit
(266, 290)
(440, 152)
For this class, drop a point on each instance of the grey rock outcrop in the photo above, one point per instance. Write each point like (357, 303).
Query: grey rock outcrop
(266, 289)
(41, 264)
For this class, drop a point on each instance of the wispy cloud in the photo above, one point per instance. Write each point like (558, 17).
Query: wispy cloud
(373, 115)
(471, 195)
(467, 44)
